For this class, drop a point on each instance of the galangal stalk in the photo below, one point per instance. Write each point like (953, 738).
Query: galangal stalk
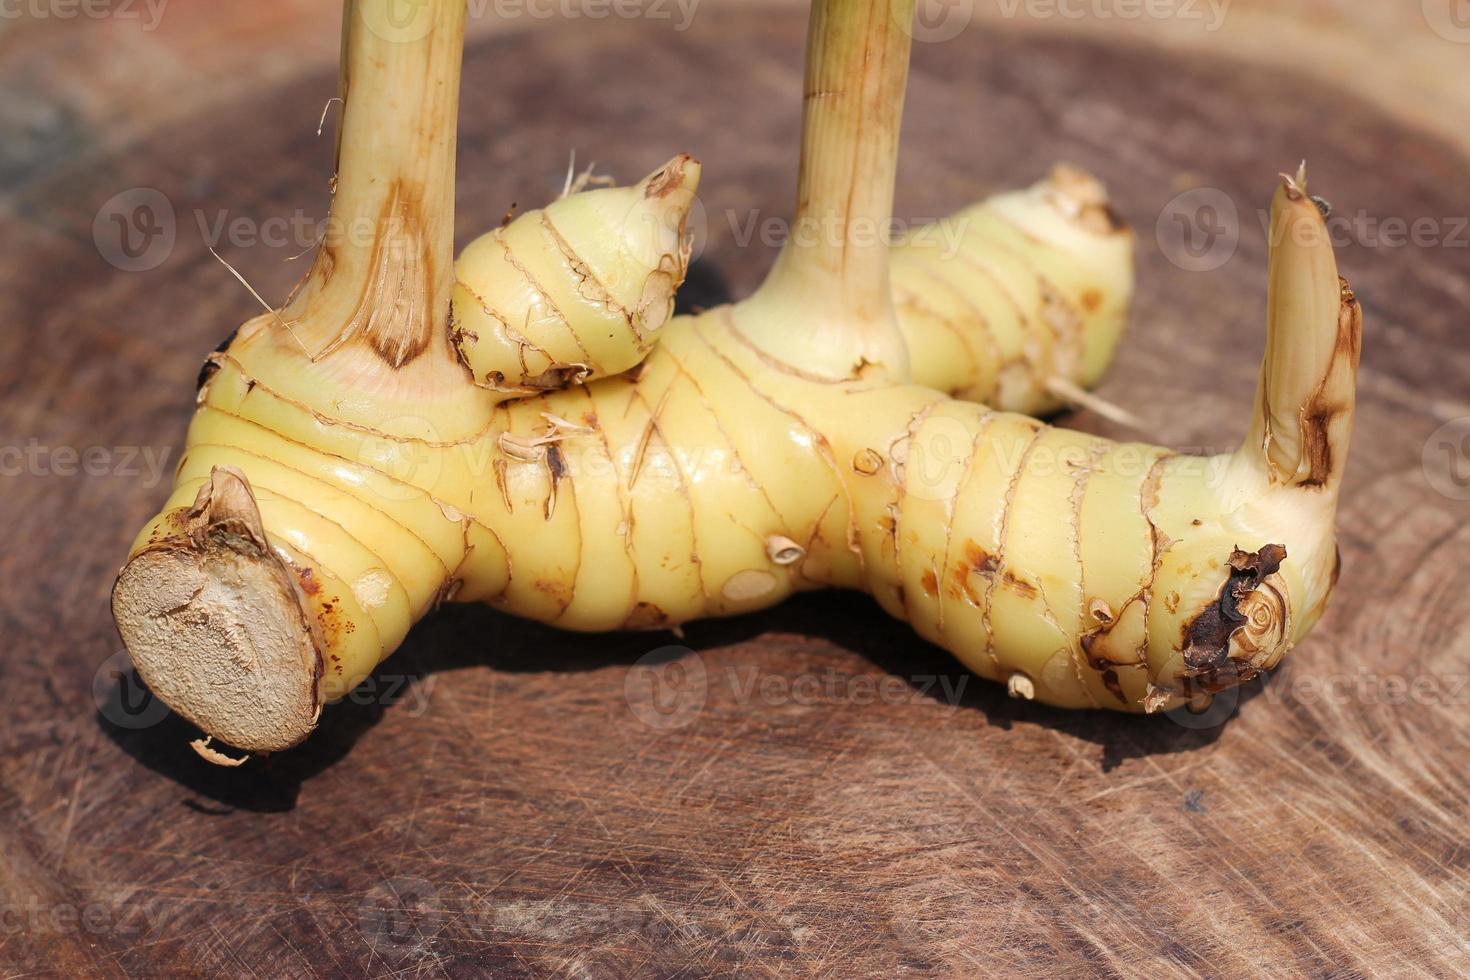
(559, 448)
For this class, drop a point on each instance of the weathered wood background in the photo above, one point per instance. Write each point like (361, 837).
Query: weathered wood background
(822, 794)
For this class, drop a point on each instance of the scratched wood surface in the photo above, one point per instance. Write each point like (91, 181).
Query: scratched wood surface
(809, 792)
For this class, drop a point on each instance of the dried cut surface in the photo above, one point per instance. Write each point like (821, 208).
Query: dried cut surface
(216, 626)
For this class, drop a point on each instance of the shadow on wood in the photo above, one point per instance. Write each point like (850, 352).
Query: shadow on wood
(454, 639)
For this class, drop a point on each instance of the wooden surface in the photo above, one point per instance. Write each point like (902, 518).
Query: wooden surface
(819, 795)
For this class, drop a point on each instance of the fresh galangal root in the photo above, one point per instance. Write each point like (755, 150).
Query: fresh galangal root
(565, 450)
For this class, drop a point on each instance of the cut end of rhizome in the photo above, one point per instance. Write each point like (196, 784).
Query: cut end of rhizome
(216, 625)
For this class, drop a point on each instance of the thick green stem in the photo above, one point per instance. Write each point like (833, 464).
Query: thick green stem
(827, 307)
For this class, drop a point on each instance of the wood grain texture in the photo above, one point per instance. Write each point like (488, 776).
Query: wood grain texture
(821, 794)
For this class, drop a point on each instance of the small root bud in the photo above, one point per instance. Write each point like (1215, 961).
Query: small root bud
(1021, 687)
(868, 462)
(783, 551)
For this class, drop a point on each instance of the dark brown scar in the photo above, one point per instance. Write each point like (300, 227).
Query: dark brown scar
(1317, 416)
(984, 564)
(555, 464)
(1207, 637)
(1020, 585)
